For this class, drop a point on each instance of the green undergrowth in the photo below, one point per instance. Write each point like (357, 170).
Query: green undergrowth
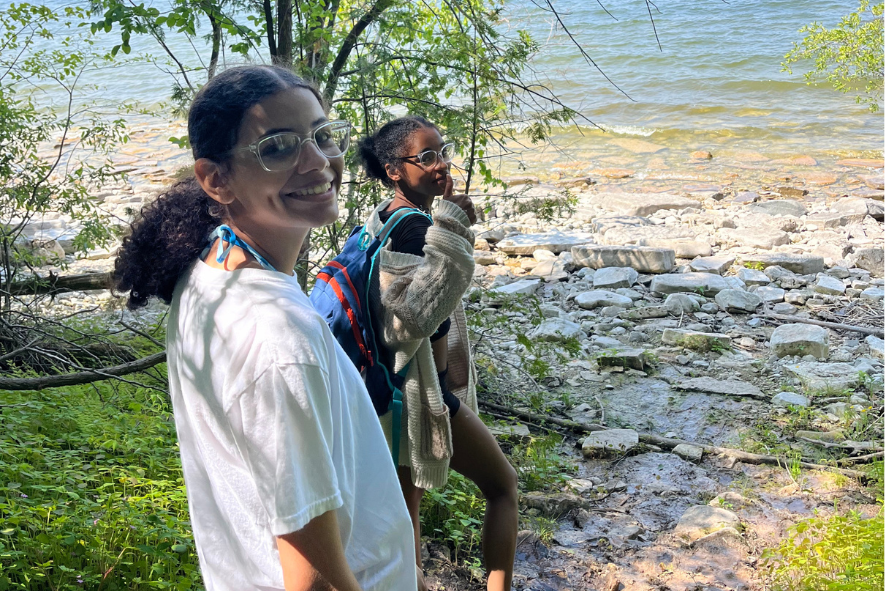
(91, 492)
(843, 552)
(453, 515)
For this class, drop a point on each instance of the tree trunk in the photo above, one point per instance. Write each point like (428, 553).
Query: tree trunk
(55, 284)
(284, 33)
(269, 24)
(216, 45)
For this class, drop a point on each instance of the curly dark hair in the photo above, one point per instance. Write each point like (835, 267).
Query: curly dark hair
(386, 146)
(170, 233)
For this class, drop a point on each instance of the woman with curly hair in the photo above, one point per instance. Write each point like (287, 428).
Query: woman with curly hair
(288, 479)
(425, 268)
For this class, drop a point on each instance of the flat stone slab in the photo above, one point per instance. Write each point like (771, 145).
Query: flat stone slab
(824, 376)
(718, 265)
(615, 277)
(690, 453)
(763, 237)
(557, 330)
(697, 341)
(876, 346)
(796, 263)
(737, 300)
(800, 340)
(639, 258)
(645, 313)
(790, 399)
(870, 259)
(702, 520)
(609, 442)
(779, 207)
(627, 358)
(642, 204)
(637, 146)
(554, 241)
(829, 285)
(725, 387)
(521, 287)
(599, 298)
(518, 430)
(706, 284)
(683, 247)
(680, 303)
(872, 293)
(770, 295)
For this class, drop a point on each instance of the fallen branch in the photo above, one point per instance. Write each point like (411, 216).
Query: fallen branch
(861, 459)
(55, 284)
(83, 377)
(668, 443)
(877, 332)
(865, 445)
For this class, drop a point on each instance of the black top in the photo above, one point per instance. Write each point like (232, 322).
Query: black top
(409, 237)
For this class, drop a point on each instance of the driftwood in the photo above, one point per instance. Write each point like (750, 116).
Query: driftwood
(861, 459)
(55, 284)
(83, 377)
(668, 443)
(877, 332)
(851, 446)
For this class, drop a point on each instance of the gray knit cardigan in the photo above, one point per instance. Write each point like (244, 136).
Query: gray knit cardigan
(410, 297)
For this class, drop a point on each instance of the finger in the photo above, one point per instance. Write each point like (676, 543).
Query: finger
(447, 190)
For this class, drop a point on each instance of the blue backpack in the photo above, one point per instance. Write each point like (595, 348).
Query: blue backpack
(341, 296)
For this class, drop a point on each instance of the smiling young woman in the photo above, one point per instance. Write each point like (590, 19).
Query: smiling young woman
(424, 271)
(288, 480)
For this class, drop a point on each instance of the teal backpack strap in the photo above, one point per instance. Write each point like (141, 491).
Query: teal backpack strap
(396, 408)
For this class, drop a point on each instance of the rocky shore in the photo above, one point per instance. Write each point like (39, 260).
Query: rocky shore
(691, 295)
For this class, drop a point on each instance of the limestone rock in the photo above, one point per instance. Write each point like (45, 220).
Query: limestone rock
(642, 259)
(790, 399)
(735, 300)
(690, 453)
(824, 376)
(680, 303)
(700, 520)
(684, 248)
(861, 207)
(763, 237)
(872, 293)
(829, 285)
(554, 241)
(796, 263)
(800, 340)
(522, 287)
(557, 330)
(551, 270)
(615, 277)
(518, 430)
(770, 295)
(725, 387)
(870, 259)
(753, 277)
(609, 442)
(627, 358)
(698, 341)
(596, 299)
(718, 265)
(642, 204)
(779, 207)
(704, 283)
(644, 313)
(876, 346)
(484, 257)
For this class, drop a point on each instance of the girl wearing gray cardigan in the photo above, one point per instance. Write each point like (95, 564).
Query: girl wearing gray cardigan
(425, 268)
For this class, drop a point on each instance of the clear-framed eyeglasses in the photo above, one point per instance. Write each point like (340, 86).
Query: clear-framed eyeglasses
(429, 158)
(280, 151)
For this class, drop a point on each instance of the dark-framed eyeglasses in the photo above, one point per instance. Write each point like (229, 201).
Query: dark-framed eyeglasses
(429, 158)
(280, 151)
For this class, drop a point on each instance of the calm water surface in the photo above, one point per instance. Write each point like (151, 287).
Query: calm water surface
(716, 78)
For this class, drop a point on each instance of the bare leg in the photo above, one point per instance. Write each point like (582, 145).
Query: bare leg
(477, 456)
(413, 495)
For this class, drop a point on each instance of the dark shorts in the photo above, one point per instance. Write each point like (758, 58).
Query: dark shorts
(451, 401)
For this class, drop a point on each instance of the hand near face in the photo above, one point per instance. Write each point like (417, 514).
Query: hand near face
(461, 199)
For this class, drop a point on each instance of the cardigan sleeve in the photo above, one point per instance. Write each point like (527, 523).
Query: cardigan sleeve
(424, 292)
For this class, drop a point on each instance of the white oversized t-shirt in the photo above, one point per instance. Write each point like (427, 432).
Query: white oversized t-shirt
(275, 428)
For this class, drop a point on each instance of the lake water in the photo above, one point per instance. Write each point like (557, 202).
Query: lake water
(716, 78)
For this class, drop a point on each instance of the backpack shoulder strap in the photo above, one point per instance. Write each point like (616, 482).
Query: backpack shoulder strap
(388, 227)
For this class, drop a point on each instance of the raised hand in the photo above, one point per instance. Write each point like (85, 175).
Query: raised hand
(460, 199)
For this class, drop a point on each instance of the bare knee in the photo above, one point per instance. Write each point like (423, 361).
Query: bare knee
(502, 485)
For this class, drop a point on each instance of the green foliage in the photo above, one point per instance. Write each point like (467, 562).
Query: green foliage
(454, 515)
(849, 56)
(757, 266)
(838, 553)
(91, 493)
(538, 464)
